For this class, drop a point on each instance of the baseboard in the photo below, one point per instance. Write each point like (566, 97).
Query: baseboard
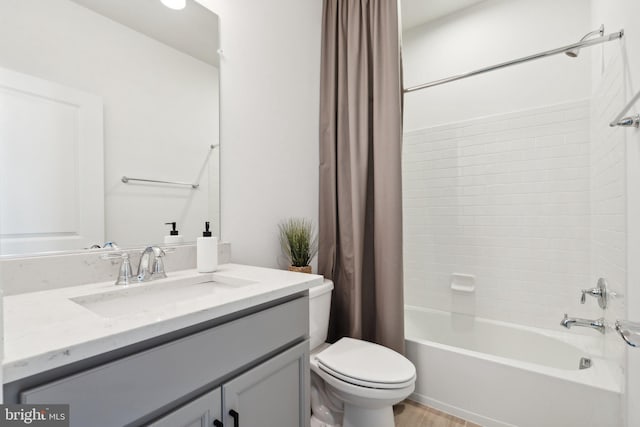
(458, 412)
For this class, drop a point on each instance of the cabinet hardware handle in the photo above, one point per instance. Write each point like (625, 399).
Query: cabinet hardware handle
(236, 417)
(217, 423)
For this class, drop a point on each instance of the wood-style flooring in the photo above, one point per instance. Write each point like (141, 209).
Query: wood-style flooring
(412, 414)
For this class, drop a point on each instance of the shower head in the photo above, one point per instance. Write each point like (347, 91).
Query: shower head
(573, 53)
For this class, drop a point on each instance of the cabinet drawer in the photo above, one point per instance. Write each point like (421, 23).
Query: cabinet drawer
(126, 390)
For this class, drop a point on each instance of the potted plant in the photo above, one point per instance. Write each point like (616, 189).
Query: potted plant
(299, 243)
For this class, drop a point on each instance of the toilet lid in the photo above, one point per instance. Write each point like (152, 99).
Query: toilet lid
(366, 364)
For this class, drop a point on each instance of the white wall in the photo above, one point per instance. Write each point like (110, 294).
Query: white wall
(269, 120)
(486, 34)
(160, 110)
(616, 14)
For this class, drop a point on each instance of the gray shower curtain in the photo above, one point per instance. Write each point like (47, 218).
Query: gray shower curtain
(360, 226)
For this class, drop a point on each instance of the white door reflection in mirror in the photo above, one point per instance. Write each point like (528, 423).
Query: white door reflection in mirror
(51, 189)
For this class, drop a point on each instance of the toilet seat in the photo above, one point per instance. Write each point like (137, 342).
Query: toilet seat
(366, 364)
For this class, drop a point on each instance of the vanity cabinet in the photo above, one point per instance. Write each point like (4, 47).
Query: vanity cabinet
(256, 365)
(270, 395)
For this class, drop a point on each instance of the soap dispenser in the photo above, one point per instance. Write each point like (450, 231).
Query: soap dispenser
(174, 236)
(207, 251)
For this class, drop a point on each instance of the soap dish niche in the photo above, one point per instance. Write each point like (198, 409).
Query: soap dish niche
(463, 282)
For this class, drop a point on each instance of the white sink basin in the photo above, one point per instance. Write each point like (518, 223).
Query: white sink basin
(151, 296)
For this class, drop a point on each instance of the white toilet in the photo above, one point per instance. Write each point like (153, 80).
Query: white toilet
(354, 383)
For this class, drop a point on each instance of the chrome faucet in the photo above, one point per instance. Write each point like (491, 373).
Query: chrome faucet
(598, 324)
(150, 267)
(145, 273)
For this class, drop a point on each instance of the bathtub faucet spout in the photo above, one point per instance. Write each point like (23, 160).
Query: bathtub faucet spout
(598, 324)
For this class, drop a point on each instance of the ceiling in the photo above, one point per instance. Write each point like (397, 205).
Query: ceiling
(416, 12)
(193, 30)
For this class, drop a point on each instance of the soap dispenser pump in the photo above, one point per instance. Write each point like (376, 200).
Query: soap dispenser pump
(207, 251)
(174, 235)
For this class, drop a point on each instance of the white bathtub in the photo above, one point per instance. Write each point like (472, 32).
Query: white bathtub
(500, 374)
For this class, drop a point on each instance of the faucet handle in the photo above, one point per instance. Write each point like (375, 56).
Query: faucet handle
(600, 292)
(594, 292)
(111, 245)
(124, 274)
(157, 271)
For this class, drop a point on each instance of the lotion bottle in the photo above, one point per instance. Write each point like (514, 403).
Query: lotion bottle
(207, 251)
(174, 235)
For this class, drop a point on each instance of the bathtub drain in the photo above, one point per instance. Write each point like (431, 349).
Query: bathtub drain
(585, 363)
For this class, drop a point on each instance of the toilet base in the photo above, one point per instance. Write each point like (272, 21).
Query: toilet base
(356, 416)
(317, 423)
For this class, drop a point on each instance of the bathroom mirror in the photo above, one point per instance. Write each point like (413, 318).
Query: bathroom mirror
(92, 91)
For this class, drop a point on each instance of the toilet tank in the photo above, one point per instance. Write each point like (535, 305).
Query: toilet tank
(319, 308)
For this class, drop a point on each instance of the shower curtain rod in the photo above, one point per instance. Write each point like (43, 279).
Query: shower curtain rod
(574, 46)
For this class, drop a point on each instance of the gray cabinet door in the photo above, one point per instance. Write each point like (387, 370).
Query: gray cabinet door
(200, 412)
(273, 394)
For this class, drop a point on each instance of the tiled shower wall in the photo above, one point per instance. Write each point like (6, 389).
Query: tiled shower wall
(506, 199)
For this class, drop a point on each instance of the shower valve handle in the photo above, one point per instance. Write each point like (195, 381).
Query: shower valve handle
(600, 292)
(594, 292)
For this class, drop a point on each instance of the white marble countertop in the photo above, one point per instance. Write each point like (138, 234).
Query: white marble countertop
(47, 329)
